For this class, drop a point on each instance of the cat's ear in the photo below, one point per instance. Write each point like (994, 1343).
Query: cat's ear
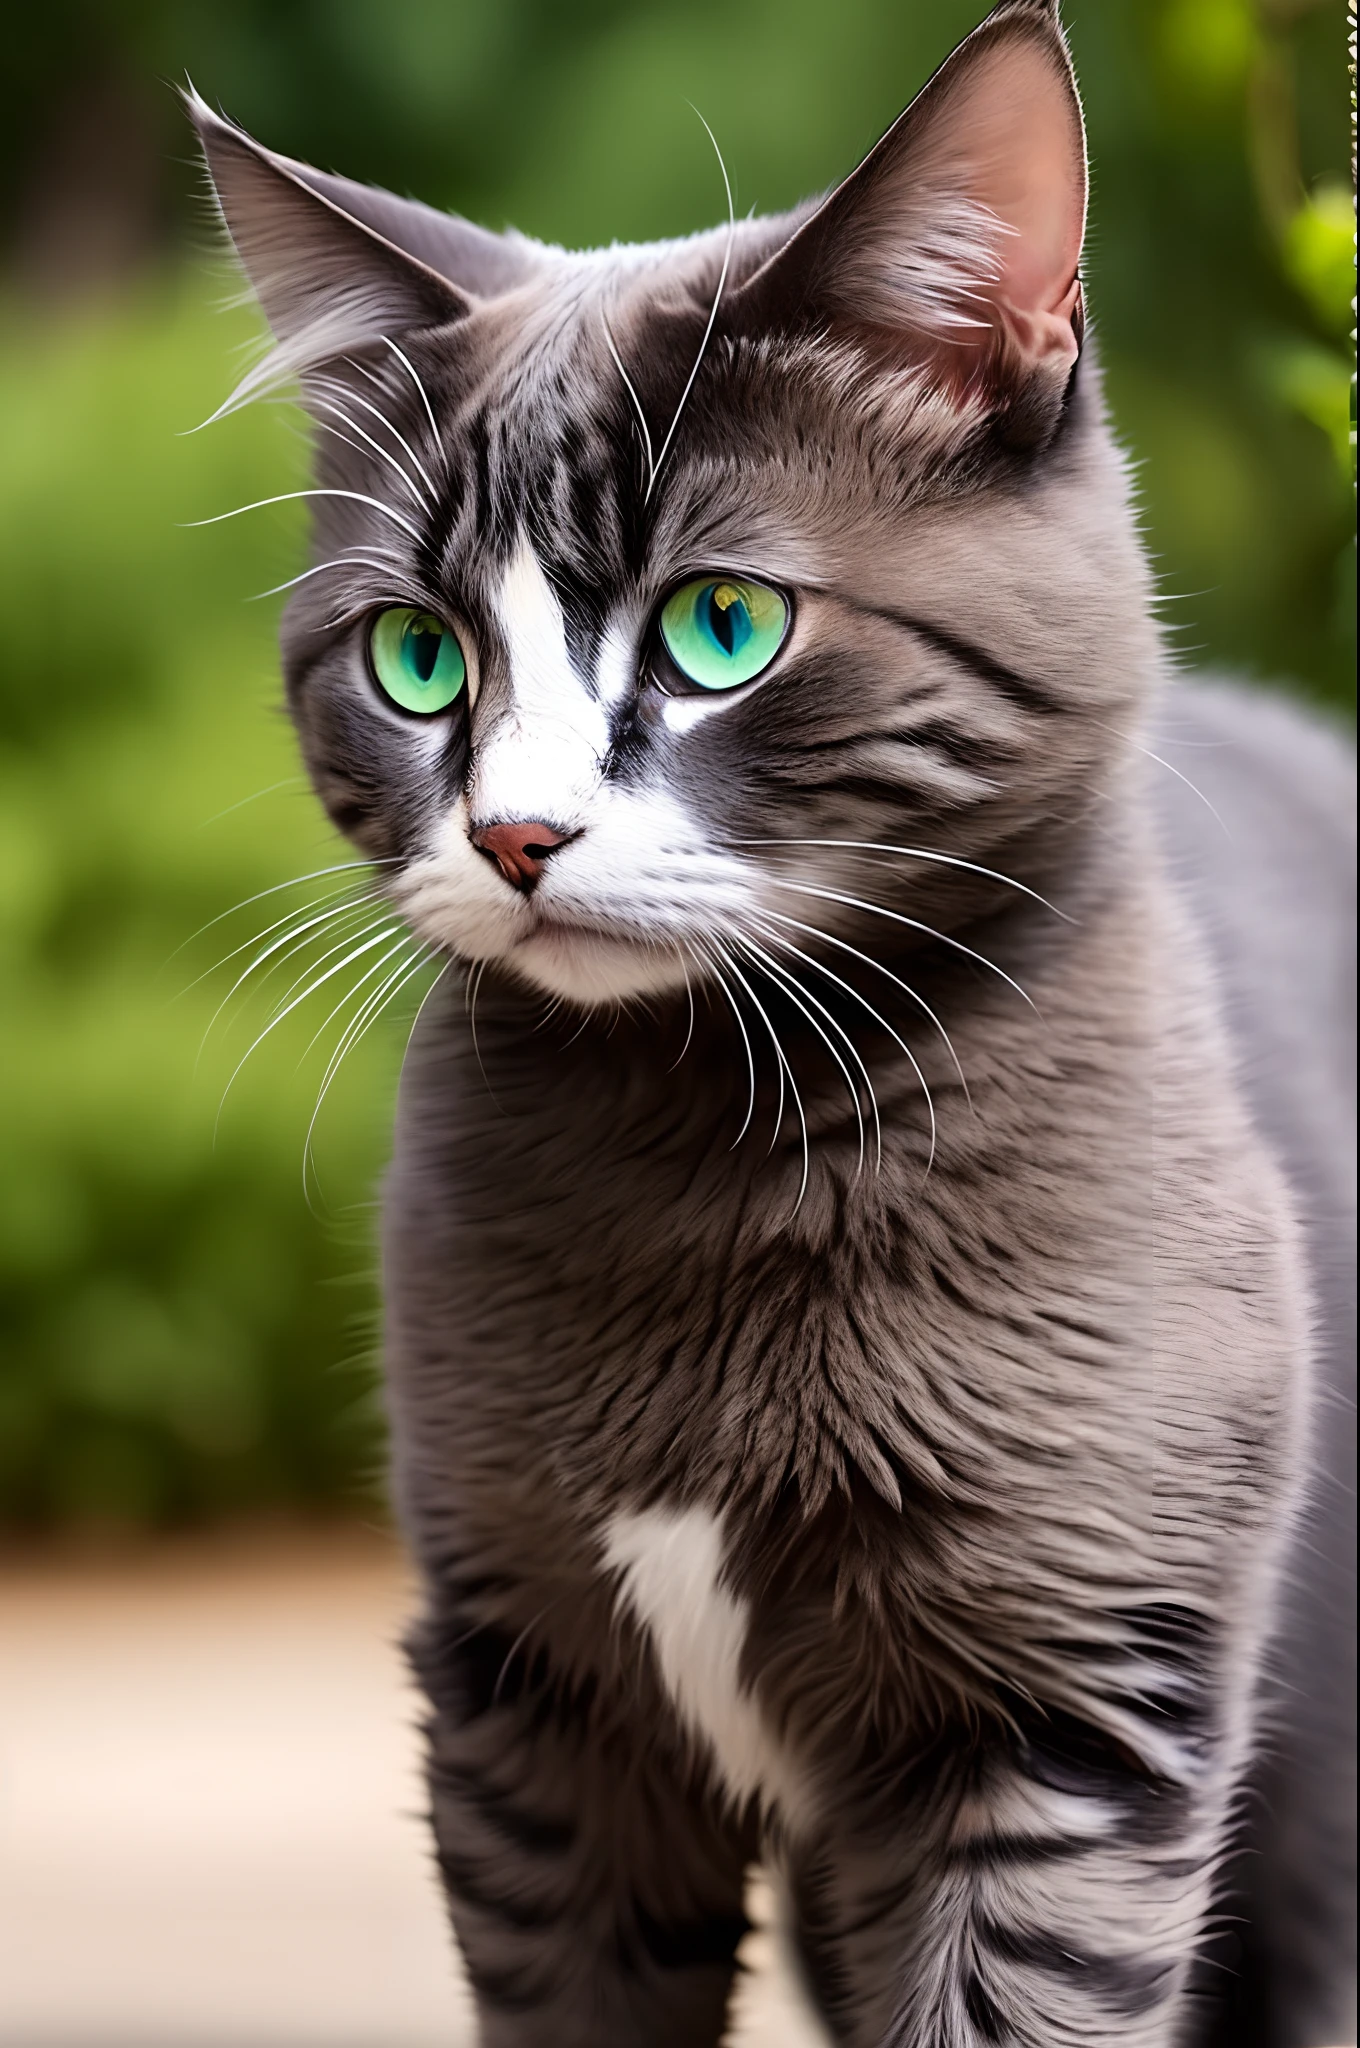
(338, 266)
(958, 240)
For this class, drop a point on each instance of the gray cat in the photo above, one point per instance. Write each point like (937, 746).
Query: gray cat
(868, 1247)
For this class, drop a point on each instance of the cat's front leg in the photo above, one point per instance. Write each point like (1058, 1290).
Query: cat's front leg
(1046, 1893)
(596, 1897)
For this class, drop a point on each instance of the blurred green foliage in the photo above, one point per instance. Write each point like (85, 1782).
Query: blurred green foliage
(171, 1342)
(182, 1333)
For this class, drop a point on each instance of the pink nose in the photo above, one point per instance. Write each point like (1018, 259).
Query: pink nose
(519, 851)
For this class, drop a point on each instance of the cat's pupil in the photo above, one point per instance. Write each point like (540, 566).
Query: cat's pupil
(728, 619)
(423, 639)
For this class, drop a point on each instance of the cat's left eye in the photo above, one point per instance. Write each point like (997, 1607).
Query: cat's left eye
(721, 631)
(417, 660)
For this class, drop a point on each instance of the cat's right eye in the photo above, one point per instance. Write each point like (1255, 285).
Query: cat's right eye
(417, 661)
(722, 631)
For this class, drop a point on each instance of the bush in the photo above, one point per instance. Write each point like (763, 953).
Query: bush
(176, 1317)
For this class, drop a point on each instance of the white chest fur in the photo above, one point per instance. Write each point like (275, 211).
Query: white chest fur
(669, 1563)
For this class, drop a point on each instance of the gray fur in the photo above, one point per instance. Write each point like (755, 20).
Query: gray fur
(1024, 1563)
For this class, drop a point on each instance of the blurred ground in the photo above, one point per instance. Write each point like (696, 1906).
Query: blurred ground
(208, 1808)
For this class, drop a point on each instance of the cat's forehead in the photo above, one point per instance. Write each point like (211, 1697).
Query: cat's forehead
(554, 413)
(545, 451)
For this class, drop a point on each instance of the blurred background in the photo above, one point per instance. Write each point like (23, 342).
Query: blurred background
(186, 1329)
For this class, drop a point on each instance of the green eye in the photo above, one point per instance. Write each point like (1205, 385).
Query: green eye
(721, 631)
(417, 660)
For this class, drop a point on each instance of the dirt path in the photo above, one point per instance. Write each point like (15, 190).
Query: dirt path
(208, 1809)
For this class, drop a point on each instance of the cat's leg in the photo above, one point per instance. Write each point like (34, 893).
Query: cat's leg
(596, 1896)
(1048, 1893)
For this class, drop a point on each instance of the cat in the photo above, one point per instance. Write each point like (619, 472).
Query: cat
(866, 1251)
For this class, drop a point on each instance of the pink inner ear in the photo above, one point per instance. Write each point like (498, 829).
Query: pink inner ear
(1010, 137)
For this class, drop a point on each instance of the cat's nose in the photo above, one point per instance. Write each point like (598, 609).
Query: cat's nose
(519, 851)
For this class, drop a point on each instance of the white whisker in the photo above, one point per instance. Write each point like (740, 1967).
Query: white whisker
(950, 860)
(716, 972)
(713, 314)
(689, 991)
(389, 566)
(343, 867)
(337, 384)
(785, 1068)
(374, 924)
(382, 453)
(815, 932)
(299, 911)
(403, 941)
(912, 923)
(288, 782)
(777, 939)
(420, 1010)
(367, 1015)
(284, 947)
(473, 988)
(792, 981)
(795, 992)
(414, 376)
(637, 405)
(355, 953)
(1193, 788)
(287, 497)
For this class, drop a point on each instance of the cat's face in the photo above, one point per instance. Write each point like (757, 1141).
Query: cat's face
(660, 593)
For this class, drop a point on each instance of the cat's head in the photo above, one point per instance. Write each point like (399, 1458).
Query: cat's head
(656, 588)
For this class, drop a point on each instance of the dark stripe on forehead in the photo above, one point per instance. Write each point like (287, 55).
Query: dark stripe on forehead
(479, 438)
(554, 456)
(574, 482)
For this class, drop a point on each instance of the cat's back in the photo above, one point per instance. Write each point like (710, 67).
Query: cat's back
(1264, 847)
(1257, 804)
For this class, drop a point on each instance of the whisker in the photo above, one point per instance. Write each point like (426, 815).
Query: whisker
(951, 860)
(785, 1068)
(815, 932)
(473, 990)
(836, 1025)
(288, 782)
(365, 1017)
(777, 939)
(387, 567)
(337, 384)
(791, 987)
(342, 919)
(382, 453)
(374, 927)
(637, 403)
(716, 972)
(420, 1010)
(329, 897)
(912, 923)
(713, 314)
(343, 867)
(1193, 787)
(413, 374)
(317, 491)
(288, 943)
(355, 953)
(404, 940)
(689, 991)
(581, 1028)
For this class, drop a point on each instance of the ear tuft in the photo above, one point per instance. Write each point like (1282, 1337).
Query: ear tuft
(328, 281)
